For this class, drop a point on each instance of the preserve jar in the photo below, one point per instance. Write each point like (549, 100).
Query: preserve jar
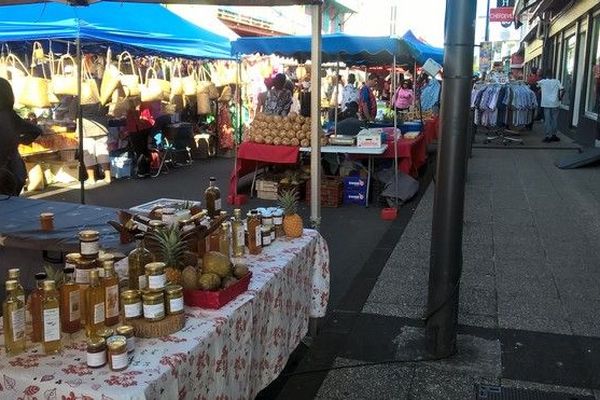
(96, 352)
(83, 269)
(71, 260)
(278, 223)
(89, 243)
(105, 333)
(117, 353)
(153, 306)
(265, 232)
(127, 332)
(47, 221)
(174, 299)
(157, 278)
(132, 304)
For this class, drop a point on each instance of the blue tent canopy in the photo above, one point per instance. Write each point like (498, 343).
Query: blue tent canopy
(151, 27)
(421, 51)
(363, 50)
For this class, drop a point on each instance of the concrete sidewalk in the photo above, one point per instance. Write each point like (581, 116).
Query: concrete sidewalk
(529, 298)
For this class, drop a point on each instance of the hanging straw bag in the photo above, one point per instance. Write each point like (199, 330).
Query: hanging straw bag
(65, 82)
(176, 79)
(205, 85)
(90, 94)
(30, 90)
(190, 82)
(131, 81)
(111, 78)
(153, 88)
(119, 104)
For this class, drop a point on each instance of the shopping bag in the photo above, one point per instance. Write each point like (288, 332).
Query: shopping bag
(190, 82)
(90, 94)
(176, 79)
(64, 79)
(111, 78)
(154, 89)
(206, 86)
(33, 90)
(131, 80)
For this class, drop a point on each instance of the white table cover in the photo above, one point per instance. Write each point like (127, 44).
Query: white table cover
(226, 354)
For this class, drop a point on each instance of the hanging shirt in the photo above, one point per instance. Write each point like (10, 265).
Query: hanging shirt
(550, 92)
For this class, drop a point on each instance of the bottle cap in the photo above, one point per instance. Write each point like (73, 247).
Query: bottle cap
(13, 273)
(94, 274)
(49, 286)
(212, 178)
(11, 285)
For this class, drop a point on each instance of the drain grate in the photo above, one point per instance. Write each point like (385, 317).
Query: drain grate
(491, 392)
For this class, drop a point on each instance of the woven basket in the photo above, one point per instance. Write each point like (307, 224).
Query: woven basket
(147, 329)
(68, 155)
(332, 191)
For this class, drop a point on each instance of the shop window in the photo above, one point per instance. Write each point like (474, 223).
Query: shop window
(593, 87)
(568, 67)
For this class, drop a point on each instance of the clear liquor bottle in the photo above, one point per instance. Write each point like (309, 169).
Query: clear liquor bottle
(13, 318)
(51, 319)
(238, 234)
(15, 274)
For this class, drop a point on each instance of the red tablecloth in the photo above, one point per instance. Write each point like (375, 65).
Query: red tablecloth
(251, 154)
(412, 153)
(431, 129)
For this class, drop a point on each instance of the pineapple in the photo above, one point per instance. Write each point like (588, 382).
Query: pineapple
(292, 222)
(171, 250)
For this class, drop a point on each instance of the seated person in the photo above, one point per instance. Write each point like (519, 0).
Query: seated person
(348, 122)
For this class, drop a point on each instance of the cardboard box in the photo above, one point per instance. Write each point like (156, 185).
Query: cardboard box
(121, 167)
(369, 138)
(355, 183)
(355, 197)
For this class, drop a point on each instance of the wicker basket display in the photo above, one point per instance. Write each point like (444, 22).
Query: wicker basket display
(332, 191)
(147, 329)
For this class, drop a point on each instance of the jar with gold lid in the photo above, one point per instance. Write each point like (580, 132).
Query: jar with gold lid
(265, 232)
(71, 260)
(96, 352)
(105, 333)
(83, 269)
(156, 224)
(157, 278)
(117, 353)
(153, 305)
(132, 303)
(174, 301)
(47, 221)
(127, 332)
(278, 223)
(89, 243)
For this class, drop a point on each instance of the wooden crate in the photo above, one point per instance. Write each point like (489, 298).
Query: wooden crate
(332, 191)
(266, 195)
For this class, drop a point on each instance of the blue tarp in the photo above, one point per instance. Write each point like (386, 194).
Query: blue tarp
(421, 51)
(364, 50)
(151, 27)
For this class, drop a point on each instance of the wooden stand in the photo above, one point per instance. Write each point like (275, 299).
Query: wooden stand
(167, 326)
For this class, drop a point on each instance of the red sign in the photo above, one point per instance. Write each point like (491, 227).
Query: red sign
(501, 14)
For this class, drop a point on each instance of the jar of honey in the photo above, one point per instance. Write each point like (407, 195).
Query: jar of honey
(96, 352)
(89, 243)
(117, 353)
(132, 304)
(127, 332)
(153, 305)
(174, 299)
(157, 278)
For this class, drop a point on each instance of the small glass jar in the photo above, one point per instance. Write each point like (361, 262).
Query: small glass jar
(117, 353)
(71, 260)
(132, 304)
(267, 218)
(89, 243)
(83, 269)
(272, 232)
(105, 333)
(278, 223)
(96, 352)
(153, 306)
(168, 216)
(174, 301)
(157, 278)
(127, 332)
(265, 232)
(47, 221)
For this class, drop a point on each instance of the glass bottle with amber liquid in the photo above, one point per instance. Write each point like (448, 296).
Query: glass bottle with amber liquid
(136, 261)
(254, 232)
(14, 275)
(35, 307)
(110, 285)
(13, 318)
(51, 319)
(212, 197)
(237, 234)
(94, 299)
(70, 303)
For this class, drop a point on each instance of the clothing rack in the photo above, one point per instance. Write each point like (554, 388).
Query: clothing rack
(501, 107)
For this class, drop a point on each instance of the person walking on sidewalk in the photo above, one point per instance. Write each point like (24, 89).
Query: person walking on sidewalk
(552, 92)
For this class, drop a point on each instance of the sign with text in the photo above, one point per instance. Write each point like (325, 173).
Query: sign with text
(501, 14)
(505, 3)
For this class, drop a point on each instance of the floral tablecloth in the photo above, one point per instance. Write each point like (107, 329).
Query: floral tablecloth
(226, 354)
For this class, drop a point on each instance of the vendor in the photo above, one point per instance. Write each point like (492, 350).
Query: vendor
(367, 103)
(13, 131)
(349, 124)
(279, 99)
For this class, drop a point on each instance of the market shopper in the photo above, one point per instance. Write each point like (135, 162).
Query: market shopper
(350, 92)
(403, 98)
(367, 103)
(279, 99)
(551, 93)
(13, 131)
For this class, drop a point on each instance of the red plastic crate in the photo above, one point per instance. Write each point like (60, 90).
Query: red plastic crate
(216, 299)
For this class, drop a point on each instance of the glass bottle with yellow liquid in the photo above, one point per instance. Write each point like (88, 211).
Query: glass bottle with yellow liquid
(110, 285)
(13, 318)
(14, 275)
(137, 260)
(35, 307)
(224, 239)
(51, 319)
(94, 299)
(70, 303)
(237, 234)
(212, 196)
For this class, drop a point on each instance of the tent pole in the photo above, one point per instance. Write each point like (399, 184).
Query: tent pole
(240, 107)
(337, 85)
(80, 121)
(394, 133)
(414, 83)
(315, 114)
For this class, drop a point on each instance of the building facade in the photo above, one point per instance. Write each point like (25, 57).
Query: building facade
(563, 37)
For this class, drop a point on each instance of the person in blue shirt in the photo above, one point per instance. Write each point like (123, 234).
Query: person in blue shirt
(367, 103)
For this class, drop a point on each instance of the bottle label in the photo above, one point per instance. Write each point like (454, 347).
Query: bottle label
(74, 305)
(272, 235)
(89, 248)
(111, 296)
(258, 236)
(82, 276)
(239, 237)
(133, 310)
(21, 297)
(51, 318)
(100, 272)
(99, 313)
(153, 311)
(119, 361)
(17, 320)
(266, 240)
(157, 281)
(277, 220)
(96, 359)
(142, 227)
(142, 282)
(217, 205)
(176, 305)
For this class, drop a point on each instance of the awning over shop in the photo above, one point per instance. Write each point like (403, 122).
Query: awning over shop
(533, 50)
(421, 50)
(151, 27)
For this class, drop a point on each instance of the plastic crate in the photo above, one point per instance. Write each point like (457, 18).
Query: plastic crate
(218, 298)
(332, 191)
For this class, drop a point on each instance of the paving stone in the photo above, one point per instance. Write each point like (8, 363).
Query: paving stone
(512, 218)
(512, 383)
(484, 321)
(478, 301)
(395, 310)
(431, 384)
(536, 324)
